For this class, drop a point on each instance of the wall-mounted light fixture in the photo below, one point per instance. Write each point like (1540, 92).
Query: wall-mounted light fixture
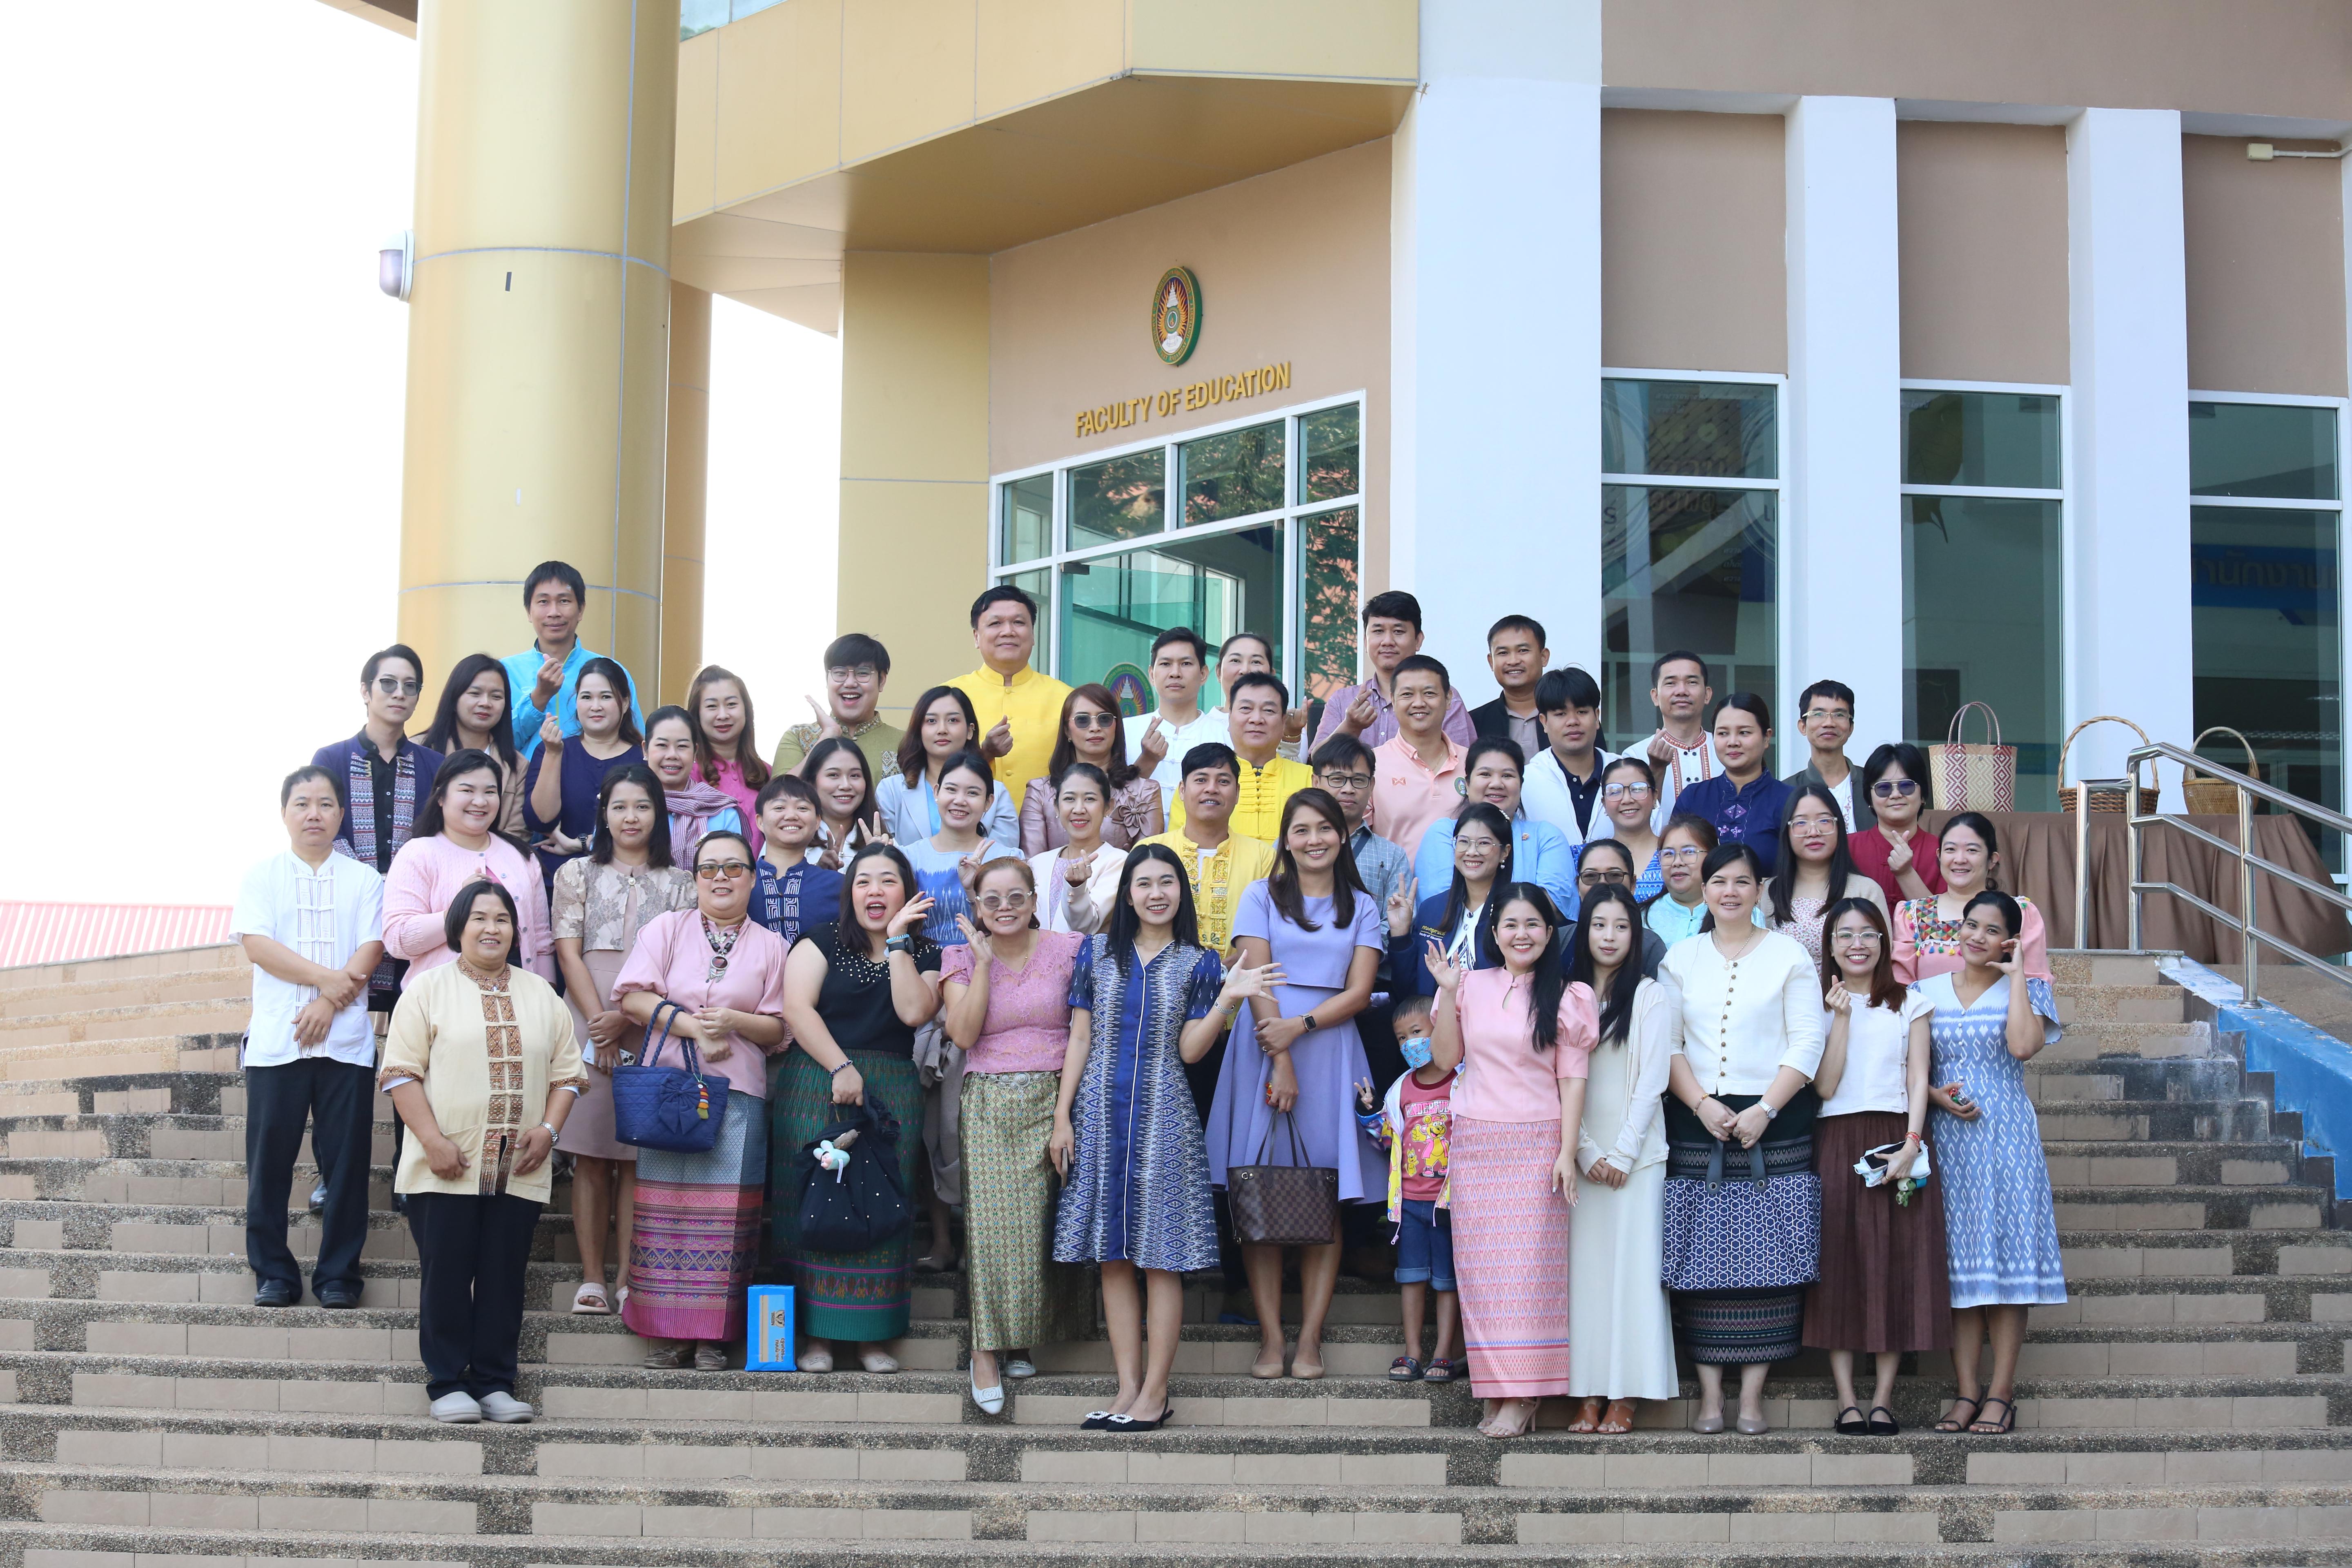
(2263, 152)
(395, 264)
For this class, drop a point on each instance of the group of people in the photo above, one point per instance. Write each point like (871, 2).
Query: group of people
(1597, 1041)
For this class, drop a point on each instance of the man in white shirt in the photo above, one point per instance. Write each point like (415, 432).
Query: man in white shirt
(1157, 742)
(312, 923)
(1681, 753)
(1563, 781)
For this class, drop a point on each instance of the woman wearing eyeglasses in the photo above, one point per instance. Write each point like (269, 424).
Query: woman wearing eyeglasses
(1006, 999)
(698, 1216)
(1894, 852)
(383, 778)
(1816, 868)
(1091, 734)
(1628, 792)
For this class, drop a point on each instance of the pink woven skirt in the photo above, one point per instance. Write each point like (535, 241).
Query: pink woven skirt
(1510, 1257)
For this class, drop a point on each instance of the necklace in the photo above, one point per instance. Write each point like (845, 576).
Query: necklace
(723, 943)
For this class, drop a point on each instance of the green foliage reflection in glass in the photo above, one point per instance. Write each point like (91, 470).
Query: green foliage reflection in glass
(1121, 498)
(1328, 459)
(1329, 594)
(1234, 474)
(2001, 441)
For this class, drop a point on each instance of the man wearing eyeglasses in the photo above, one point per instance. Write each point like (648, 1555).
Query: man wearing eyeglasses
(857, 668)
(1825, 718)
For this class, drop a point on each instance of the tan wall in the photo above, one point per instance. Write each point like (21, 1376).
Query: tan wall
(1293, 265)
(1983, 251)
(1694, 263)
(2266, 251)
(2243, 56)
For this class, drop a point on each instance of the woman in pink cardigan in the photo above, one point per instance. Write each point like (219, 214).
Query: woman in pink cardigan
(455, 842)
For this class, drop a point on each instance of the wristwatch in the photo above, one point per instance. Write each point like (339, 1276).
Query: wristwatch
(1770, 1113)
(551, 1128)
(899, 944)
(1309, 1024)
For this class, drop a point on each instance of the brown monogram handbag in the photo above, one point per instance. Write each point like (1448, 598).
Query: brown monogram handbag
(1296, 1205)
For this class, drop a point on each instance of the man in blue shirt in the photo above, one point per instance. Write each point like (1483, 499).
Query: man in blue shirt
(554, 595)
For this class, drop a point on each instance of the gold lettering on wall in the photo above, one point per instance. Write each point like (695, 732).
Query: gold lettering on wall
(1118, 414)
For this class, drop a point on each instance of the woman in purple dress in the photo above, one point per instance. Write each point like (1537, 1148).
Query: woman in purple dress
(1295, 1057)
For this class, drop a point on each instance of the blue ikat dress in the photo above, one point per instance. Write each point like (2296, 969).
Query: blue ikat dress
(2000, 1232)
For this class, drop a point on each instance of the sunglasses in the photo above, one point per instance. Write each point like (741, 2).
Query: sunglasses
(713, 870)
(1093, 721)
(1887, 789)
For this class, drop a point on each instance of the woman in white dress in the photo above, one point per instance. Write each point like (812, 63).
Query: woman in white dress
(1078, 882)
(1622, 1332)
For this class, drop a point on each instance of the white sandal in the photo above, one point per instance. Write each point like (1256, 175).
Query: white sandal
(589, 1301)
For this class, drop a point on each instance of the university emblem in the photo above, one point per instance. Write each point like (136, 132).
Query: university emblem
(1176, 315)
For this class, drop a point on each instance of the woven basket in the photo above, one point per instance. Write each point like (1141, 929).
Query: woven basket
(2106, 799)
(2216, 797)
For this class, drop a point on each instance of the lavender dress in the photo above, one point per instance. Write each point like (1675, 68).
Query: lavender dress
(1328, 1061)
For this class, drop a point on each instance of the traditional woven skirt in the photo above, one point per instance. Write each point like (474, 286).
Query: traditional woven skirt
(1885, 1285)
(1020, 1296)
(1739, 1328)
(698, 1231)
(1510, 1257)
(853, 1296)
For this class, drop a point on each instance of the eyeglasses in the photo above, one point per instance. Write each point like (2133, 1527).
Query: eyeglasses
(1850, 937)
(711, 870)
(1093, 721)
(393, 686)
(1687, 852)
(1814, 715)
(1346, 781)
(1887, 789)
(1623, 791)
(853, 672)
(1013, 901)
(1812, 823)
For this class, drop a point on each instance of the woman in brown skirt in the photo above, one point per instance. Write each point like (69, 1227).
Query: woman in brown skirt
(1883, 1285)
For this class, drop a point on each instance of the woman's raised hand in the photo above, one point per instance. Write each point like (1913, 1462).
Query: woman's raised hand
(1441, 969)
(976, 937)
(1840, 999)
(1242, 983)
(911, 913)
(1400, 904)
(551, 733)
(1077, 869)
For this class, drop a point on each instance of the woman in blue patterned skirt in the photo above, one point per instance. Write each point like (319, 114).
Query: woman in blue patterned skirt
(1999, 1231)
(1146, 998)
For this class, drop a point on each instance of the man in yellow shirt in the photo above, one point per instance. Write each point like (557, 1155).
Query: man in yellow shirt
(1020, 709)
(1220, 863)
(1256, 704)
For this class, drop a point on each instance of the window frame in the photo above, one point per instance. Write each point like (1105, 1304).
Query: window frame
(1290, 517)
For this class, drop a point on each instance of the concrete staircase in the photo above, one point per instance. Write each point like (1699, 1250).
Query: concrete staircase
(2189, 1405)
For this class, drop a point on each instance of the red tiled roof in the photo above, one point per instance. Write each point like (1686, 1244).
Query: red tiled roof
(57, 933)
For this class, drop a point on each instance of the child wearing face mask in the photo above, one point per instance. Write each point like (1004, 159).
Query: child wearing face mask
(1413, 1125)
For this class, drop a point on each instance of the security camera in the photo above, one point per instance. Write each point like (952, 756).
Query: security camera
(395, 264)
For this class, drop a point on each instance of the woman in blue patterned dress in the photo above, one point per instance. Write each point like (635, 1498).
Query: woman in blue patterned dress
(1990, 1019)
(1146, 998)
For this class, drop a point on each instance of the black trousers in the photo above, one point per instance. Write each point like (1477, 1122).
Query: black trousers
(337, 1101)
(474, 1253)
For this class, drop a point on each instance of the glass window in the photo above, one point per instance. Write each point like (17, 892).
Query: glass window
(1329, 591)
(1120, 498)
(1236, 474)
(1218, 584)
(701, 16)
(2262, 449)
(1329, 458)
(1685, 568)
(2264, 604)
(1038, 586)
(1025, 533)
(1982, 622)
(2001, 441)
(1692, 429)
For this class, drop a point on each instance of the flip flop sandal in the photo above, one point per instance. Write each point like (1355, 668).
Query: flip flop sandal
(1405, 1369)
(590, 1301)
(1953, 1422)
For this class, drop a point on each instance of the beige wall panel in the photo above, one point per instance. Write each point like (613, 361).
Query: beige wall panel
(779, 114)
(907, 72)
(1983, 251)
(2245, 57)
(912, 556)
(1293, 265)
(685, 493)
(445, 624)
(914, 370)
(1694, 265)
(694, 183)
(1031, 49)
(2265, 253)
(1359, 39)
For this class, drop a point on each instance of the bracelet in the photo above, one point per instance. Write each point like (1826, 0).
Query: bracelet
(846, 1064)
(551, 1128)
(1913, 1137)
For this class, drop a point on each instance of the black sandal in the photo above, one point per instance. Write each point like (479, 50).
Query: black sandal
(2000, 1429)
(1886, 1428)
(1952, 1422)
(1854, 1428)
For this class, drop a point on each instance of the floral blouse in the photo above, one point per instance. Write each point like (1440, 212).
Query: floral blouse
(602, 908)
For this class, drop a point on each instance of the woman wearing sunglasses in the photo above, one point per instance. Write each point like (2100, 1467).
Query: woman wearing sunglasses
(1091, 734)
(1894, 852)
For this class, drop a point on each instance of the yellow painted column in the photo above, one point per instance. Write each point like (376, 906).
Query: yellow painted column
(914, 458)
(688, 491)
(538, 351)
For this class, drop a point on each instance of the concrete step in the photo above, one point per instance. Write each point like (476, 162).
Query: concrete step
(2158, 1005)
(2099, 966)
(2243, 1120)
(216, 1053)
(2179, 1208)
(142, 1227)
(126, 968)
(68, 997)
(194, 1015)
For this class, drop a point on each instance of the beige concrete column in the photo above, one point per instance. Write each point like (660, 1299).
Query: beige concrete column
(687, 493)
(537, 352)
(914, 458)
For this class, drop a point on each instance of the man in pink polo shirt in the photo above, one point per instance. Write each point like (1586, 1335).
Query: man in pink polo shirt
(1417, 776)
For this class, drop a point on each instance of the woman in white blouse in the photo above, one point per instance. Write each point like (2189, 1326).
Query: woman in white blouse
(1737, 1260)
(1078, 882)
(1621, 1329)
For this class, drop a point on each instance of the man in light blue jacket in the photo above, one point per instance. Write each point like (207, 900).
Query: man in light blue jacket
(1492, 770)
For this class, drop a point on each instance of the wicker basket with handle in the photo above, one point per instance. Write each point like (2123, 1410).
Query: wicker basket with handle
(2216, 797)
(2106, 799)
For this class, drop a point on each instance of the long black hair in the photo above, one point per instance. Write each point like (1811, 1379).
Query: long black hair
(431, 821)
(1458, 899)
(1617, 1005)
(849, 928)
(1719, 856)
(444, 734)
(1124, 922)
(824, 751)
(1976, 822)
(1549, 980)
(1781, 887)
(1120, 772)
(1282, 883)
(914, 763)
(659, 852)
(619, 680)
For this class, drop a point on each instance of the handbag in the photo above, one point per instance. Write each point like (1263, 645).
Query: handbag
(675, 1110)
(850, 1199)
(1978, 776)
(2103, 799)
(1296, 1205)
(1763, 1233)
(1871, 1166)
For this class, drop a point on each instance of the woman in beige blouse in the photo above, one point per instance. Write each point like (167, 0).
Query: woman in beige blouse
(602, 900)
(482, 1066)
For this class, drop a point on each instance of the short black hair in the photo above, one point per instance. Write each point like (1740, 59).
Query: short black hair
(1002, 594)
(1257, 678)
(1185, 635)
(1396, 605)
(1260, 638)
(1212, 754)
(1422, 661)
(1340, 752)
(1560, 690)
(562, 571)
(1486, 743)
(461, 909)
(1914, 763)
(851, 649)
(1680, 655)
(303, 774)
(1838, 689)
(1413, 1007)
(792, 784)
(397, 650)
(1527, 623)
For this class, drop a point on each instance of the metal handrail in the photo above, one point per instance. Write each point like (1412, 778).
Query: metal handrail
(2250, 936)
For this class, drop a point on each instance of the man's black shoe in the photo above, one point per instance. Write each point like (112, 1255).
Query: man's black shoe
(340, 1298)
(319, 1198)
(276, 1293)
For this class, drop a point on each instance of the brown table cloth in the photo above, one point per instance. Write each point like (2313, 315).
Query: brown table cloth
(2037, 857)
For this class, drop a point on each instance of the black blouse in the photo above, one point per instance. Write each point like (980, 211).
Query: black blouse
(855, 1000)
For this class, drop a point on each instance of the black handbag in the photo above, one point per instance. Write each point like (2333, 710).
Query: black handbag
(850, 1199)
(1296, 1205)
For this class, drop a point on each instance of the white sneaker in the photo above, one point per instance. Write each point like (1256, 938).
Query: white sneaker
(505, 1408)
(458, 1409)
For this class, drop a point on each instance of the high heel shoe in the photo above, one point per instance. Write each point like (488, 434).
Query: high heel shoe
(1588, 1419)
